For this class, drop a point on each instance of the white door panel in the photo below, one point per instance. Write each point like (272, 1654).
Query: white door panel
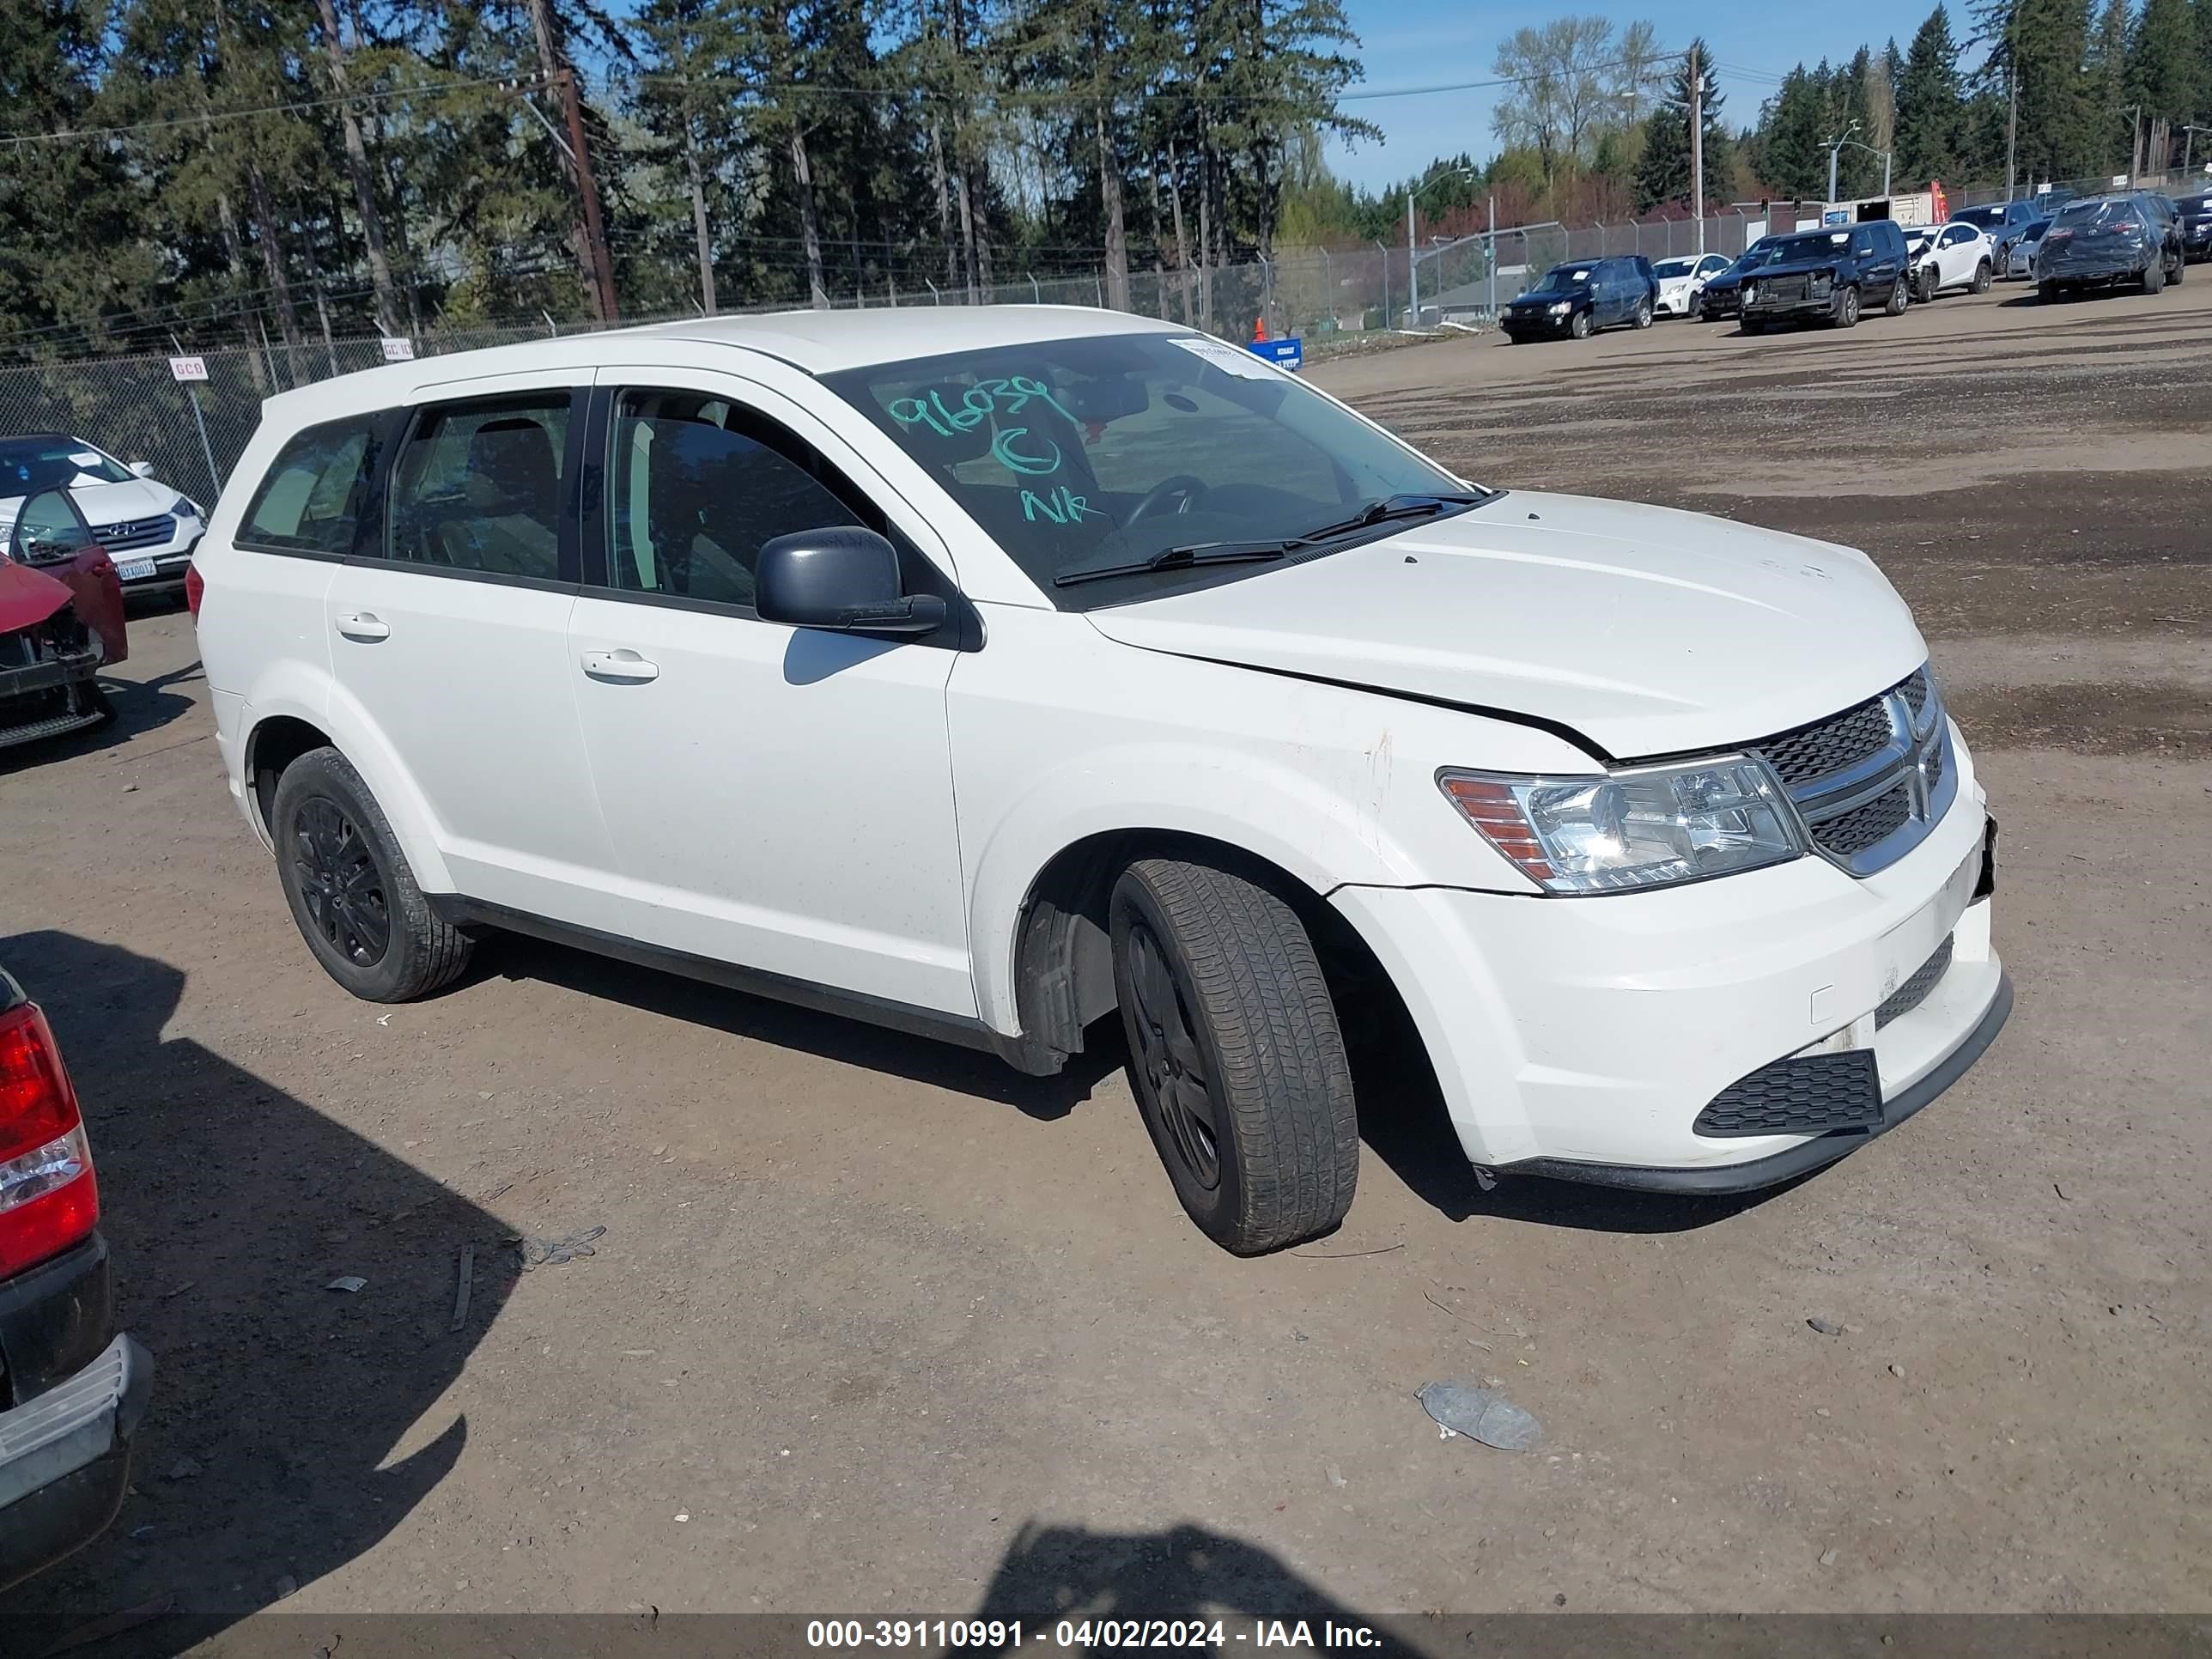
(778, 798)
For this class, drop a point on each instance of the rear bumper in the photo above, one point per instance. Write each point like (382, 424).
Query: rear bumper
(77, 1393)
(2093, 271)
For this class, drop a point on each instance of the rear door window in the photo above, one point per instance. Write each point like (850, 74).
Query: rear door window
(317, 488)
(481, 487)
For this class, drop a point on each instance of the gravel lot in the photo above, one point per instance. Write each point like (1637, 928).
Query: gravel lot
(879, 1327)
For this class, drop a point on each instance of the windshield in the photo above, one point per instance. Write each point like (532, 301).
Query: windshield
(1665, 268)
(1989, 218)
(2034, 231)
(1562, 279)
(2192, 204)
(40, 461)
(1821, 244)
(1076, 454)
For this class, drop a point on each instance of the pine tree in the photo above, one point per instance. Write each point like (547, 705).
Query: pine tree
(2107, 71)
(2164, 68)
(1789, 155)
(1929, 98)
(1662, 173)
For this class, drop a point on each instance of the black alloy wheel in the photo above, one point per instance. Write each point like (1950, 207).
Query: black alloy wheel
(1171, 1064)
(339, 882)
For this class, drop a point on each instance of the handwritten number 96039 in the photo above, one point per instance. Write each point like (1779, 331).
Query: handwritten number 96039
(1017, 448)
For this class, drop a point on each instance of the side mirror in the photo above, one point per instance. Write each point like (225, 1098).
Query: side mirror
(141, 469)
(846, 580)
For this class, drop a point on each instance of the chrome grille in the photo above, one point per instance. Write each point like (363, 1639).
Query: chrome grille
(1871, 781)
(136, 532)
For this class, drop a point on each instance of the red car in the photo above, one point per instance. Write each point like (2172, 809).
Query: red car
(73, 1389)
(61, 614)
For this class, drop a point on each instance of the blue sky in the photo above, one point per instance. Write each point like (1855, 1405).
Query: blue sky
(1409, 43)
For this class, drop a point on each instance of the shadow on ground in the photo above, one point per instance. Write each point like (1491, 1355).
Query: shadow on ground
(267, 1458)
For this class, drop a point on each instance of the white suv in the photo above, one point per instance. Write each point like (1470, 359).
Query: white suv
(1959, 258)
(983, 671)
(148, 528)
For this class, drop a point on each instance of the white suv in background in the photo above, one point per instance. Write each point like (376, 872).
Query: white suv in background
(1682, 281)
(148, 528)
(990, 673)
(1959, 257)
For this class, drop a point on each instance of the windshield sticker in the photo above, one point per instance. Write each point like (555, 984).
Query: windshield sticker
(1229, 359)
(1063, 506)
(977, 403)
(84, 460)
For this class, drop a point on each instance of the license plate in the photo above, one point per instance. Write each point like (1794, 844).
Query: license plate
(134, 570)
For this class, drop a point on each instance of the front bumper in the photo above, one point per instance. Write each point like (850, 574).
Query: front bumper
(1720, 303)
(76, 1399)
(161, 569)
(1806, 310)
(50, 697)
(1583, 1036)
(1536, 323)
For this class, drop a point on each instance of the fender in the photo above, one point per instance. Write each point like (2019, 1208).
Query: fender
(1292, 819)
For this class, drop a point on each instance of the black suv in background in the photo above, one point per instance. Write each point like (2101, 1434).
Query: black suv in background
(2102, 241)
(2194, 215)
(1582, 296)
(1828, 276)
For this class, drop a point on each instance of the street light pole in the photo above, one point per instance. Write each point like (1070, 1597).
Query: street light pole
(1413, 270)
(1698, 145)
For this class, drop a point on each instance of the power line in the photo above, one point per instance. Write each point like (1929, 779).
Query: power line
(208, 117)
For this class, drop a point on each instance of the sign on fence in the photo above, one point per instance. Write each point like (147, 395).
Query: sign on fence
(187, 368)
(397, 348)
(1284, 354)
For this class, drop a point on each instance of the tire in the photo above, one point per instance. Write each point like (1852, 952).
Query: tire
(1696, 310)
(1847, 308)
(2181, 270)
(1579, 325)
(2154, 276)
(379, 939)
(1981, 283)
(1899, 298)
(1927, 286)
(1235, 1054)
(1644, 314)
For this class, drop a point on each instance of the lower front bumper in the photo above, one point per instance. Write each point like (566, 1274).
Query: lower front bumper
(1796, 311)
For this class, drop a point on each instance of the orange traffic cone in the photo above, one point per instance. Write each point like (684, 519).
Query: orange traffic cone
(1260, 331)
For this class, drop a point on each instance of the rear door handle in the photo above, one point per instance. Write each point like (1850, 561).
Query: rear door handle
(364, 627)
(621, 667)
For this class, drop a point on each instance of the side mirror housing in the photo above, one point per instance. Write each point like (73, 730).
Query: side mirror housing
(846, 580)
(141, 469)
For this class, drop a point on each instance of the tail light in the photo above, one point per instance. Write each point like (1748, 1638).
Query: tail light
(48, 1198)
(195, 586)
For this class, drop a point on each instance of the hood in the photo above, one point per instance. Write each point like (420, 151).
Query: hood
(27, 597)
(1646, 630)
(105, 504)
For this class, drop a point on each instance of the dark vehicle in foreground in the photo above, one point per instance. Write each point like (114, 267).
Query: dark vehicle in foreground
(1724, 294)
(61, 617)
(2105, 241)
(1828, 276)
(2193, 218)
(1578, 298)
(74, 1389)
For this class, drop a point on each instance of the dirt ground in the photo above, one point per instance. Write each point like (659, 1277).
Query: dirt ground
(878, 1326)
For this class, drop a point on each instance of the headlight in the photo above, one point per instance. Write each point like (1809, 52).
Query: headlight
(1561, 309)
(1822, 281)
(1631, 829)
(193, 508)
(1750, 292)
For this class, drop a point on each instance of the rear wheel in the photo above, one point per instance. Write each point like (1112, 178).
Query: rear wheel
(1981, 283)
(351, 893)
(1899, 297)
(2047, 293)
(1235, 1054)
(2154, 276)
(1579, 325)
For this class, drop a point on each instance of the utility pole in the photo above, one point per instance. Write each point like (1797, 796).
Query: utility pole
(603, 278)
(2135, 143)
(1697, 146)
(1493, 223)
(2012, 111)
(1413, 270)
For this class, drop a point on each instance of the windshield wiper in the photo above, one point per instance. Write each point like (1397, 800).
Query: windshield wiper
(1198, 553)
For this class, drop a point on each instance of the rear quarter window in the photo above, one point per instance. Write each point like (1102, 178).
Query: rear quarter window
(316, 489)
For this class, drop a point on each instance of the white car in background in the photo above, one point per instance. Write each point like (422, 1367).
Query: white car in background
(1682, 280)
(2019, 259)
(148, 529)
(1959, 258)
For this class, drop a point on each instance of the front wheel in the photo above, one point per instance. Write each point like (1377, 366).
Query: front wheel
(1579, 325)
(351, 893)
(1644, 314)
(1899, 297)
(1751, 325)
(1235, 1054)
(1981, 283)
(1847, 309)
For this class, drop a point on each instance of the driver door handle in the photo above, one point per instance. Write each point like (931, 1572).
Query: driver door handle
(364, 626)
(620, 667)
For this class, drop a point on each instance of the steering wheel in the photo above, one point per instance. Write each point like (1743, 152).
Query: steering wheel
(1182, 487)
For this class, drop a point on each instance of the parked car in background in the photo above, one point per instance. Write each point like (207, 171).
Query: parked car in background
(74, 1389)
(1723, 296)
(1828, 276)
(2020, 262)
(1958, 259)
(2160, 211)
(2194, 217)
(1582, 296)
(2002, 221)
(991, 671)
(148, 528)
(1681, 283)
(2104, 241)
(61, 613)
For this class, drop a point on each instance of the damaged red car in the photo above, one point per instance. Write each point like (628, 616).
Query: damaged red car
(61, 616)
